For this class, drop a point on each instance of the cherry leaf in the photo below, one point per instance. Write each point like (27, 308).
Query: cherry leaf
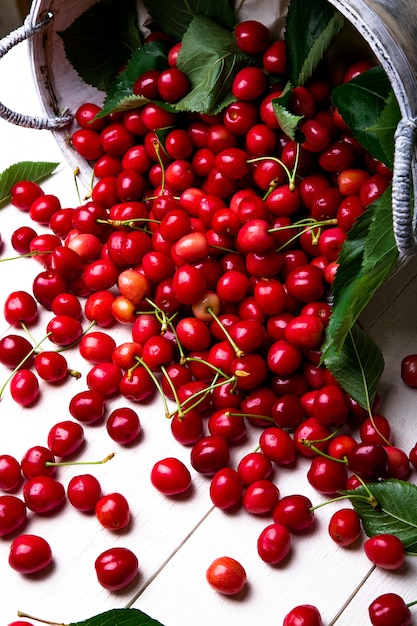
(100, 41)
(311, 26)
(34, 171)
(288, 121)
(210, 58)
(369, 108)
(151, 56)
(369, 256)
(175, 17)
(395, 512)
(119, 617)
(357, 366)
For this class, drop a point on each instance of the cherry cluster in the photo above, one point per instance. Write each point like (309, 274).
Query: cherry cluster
(213, 240)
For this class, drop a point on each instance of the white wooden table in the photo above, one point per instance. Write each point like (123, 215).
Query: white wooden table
(176, 539)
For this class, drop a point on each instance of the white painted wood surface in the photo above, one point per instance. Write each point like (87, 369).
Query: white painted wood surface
(176, 539)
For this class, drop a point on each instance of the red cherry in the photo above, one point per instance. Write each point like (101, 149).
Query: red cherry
(43, 494)
(226, 575)
(303, 615)
(170, 476)
(116, 568)
(83, 492)
(112, 511)
(29, 554)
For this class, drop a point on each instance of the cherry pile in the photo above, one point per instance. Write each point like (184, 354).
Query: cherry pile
(213, 242)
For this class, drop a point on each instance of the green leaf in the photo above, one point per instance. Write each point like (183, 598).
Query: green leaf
(368, 257)
(34, 171)
(288, 121)
(357, 365)
(210, 58)
(311, 26)
(175, 17)
(101, 40)
(151, 56)
(119, 617)
(386, 126)
(369, 108)
(396, 512)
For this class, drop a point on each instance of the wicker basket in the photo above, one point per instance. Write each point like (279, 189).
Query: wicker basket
(388, 27)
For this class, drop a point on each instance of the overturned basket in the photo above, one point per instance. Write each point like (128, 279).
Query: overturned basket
(388, 28)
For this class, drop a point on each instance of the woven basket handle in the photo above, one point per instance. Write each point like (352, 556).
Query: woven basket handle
(22, 33)
(403, 219)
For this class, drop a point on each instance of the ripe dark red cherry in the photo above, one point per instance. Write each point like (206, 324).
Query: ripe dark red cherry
(226, 488)
(345, 527)
(170, 476)
(123, 425)
(29, 554)
(12, 514)
(10, 472)
(252, 37)
(389, 609)
(43, 494)
(369, 461)
(385, 550)
(65, 438)
(274, 543)
(226, 575)
(303, 615)
(83, 492)
(116, 568)
(408, 370)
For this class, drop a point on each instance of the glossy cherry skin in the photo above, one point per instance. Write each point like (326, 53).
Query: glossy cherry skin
(274, 543)
(13, 514)
(226, 488)
(10, 472)
(170, 476)
(385, 550)
(294, 512)
(389, 609)
(226, 575)
(29, 554)
(209, 454)
(408, 370)
(345, 527)
(65, 438)
(43, 494)
(116, 568)
(83, 492)
(123, 425)
(303, 615)
(112, 511)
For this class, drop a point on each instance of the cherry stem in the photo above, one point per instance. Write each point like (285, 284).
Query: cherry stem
(290, 175)
(130, 223)
(203, 393)
(307, 443)
(305, 224)
(157, 148)
(38, 619)
(61, 463)
(412, 603)
(157, 385)
(337, 499)
(238, 352)
(173, 390)
(213, 367)
(75, 173)
(26, 255)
